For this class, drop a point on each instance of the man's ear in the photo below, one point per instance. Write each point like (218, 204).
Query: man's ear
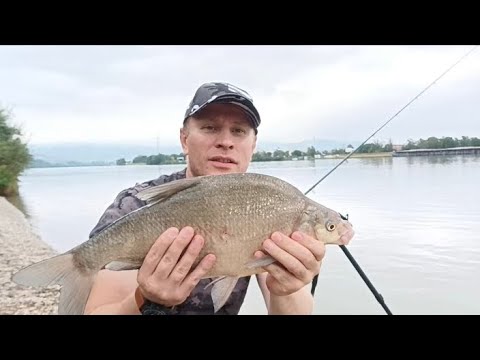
(183, 140)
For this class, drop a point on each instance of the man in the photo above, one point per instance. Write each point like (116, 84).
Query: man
(218, 136)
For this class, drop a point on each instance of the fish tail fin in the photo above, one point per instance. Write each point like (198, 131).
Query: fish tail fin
(59, 270)
(75, 292)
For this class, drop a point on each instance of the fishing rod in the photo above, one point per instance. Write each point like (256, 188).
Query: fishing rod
(378, 296)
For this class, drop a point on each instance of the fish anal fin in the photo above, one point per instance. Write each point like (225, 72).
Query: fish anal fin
(164, 191)
(211, 283)
(221, 291)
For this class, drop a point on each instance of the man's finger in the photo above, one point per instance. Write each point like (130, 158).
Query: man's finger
(196, 275)
(157, 251)
(185, 263)
(316, 247)
(171, 256)
(288, 261)
(296, 248)
(280, 274)
(259, 254)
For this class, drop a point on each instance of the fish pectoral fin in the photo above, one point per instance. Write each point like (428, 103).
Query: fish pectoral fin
(261, 262)
(123, 265)
(221, 291)
(164, 191)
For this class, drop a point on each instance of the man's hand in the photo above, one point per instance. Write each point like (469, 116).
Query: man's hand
(299, 260)
(165, 276)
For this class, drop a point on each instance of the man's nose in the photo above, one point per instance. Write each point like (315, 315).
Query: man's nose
(225, 140)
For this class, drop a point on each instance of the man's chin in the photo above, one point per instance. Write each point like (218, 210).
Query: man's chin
(214, 170)
(222, 171)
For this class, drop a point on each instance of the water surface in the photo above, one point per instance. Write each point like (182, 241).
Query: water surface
(416, 221)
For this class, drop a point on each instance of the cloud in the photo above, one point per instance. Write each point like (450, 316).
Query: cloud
(139, 93)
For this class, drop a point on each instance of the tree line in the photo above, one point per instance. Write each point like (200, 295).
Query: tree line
(159, 159)
(368, 148)
(441, 143)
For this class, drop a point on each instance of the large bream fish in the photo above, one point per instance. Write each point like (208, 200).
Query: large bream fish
(234, 213)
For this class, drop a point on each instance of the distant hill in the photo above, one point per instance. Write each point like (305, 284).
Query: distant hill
(87, 153)
(38, 163)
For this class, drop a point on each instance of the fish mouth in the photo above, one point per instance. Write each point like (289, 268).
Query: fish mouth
(226, 160)
(347, 236)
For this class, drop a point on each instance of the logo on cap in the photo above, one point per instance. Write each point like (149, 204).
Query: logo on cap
(243, 93)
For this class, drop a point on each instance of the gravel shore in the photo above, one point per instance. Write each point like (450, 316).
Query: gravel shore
(19, 247)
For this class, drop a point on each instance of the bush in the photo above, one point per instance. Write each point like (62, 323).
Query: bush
(14, 156)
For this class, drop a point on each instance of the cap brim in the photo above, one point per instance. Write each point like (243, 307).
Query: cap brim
(242, 102)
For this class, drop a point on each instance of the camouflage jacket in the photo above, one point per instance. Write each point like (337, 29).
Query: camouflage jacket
(199, 301)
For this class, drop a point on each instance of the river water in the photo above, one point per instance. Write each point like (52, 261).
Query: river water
(417, 223)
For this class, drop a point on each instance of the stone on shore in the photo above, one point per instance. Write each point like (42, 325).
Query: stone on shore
(19, 247)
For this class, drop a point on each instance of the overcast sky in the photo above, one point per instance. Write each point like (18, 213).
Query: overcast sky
(125, 94)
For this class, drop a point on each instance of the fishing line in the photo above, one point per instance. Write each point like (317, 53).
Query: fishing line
(343, 247)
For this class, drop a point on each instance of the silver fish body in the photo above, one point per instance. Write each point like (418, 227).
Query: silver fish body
(234, 213)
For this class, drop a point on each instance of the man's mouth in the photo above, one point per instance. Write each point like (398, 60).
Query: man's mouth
(223, 159)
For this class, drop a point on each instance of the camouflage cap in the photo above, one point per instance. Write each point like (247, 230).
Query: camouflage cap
(220, 92)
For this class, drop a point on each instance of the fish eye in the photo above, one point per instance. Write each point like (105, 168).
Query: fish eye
(330, 226)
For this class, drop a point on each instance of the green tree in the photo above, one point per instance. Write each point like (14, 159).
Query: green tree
(465, 141)
(297, 153)
(475, 141)
(448, 142)
(311, 151)
(141, 159)
(388, 146)
(121, 161)
(14, 156)
(279, 155)
(411, 144)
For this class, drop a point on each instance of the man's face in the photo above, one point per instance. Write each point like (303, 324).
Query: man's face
(218, 140)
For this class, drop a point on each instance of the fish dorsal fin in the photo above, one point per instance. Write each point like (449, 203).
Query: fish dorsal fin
(164, 191)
